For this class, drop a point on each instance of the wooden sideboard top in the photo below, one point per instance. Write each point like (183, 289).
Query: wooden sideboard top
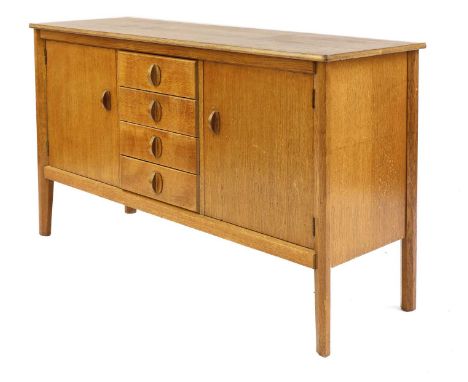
(304, 46)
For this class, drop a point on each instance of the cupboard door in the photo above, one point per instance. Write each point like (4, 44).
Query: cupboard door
(82, 110)
(258, 150)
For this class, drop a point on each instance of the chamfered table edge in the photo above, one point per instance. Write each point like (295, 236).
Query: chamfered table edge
(405, 47)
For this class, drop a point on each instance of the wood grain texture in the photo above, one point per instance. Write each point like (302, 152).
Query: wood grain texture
(200, 150)
(311, 155)
(227, 231)
(176, 150)
(45, 186)
(177, 75)
(83, 135)
(408, 249)
(293, 65)
(259, 168)
(177, 114)
(322, 218)
(366, 134)
(296, 45)
(178, 188)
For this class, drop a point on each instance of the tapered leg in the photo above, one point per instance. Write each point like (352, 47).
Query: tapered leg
(408, 274)
(129, 210)
(322, 242)
(408, 247)
(45, 186)
(322, 310)
(46, 196)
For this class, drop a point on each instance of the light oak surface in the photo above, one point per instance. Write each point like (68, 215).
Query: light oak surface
(45, 186)
(259, 168)
(366, 134)
(265, 243)
(200, 150)
(409, 243)
(177, 114)
(299, 145)
(293, 65)
(178, 187)
(177, 77)
(83, 135)
(242, 40)
(322, 215)
(174, 150)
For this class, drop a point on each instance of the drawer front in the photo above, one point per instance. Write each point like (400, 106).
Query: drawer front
(157, 74)
(156, 110)
(158, 146)
(165, 184)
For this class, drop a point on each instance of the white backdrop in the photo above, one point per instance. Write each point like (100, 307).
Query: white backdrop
(115, 297)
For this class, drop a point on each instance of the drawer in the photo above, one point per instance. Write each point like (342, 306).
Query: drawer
(158, 182)
(158, 146)
(157, 74)
(157, 110)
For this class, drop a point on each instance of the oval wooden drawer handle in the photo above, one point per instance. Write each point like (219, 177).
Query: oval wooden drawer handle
(155, 110)
(157, 183)
(214, 122)
(154, 75)
(106, 100)
(155, 146)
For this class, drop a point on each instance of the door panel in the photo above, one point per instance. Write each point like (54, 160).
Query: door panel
(83, 134)
(259, 167)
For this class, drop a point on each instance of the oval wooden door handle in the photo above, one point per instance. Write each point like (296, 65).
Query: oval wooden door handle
(106, 99)
(155, 146)
(154, 75)
(157, 183)
(155, 110)
(214, 122)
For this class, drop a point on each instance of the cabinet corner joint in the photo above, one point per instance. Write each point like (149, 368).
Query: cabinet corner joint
(314, 68)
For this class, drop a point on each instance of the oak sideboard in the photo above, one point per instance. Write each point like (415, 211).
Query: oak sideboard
(300, 145)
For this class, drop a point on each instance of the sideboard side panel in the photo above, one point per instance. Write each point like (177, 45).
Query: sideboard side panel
(366, 143)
